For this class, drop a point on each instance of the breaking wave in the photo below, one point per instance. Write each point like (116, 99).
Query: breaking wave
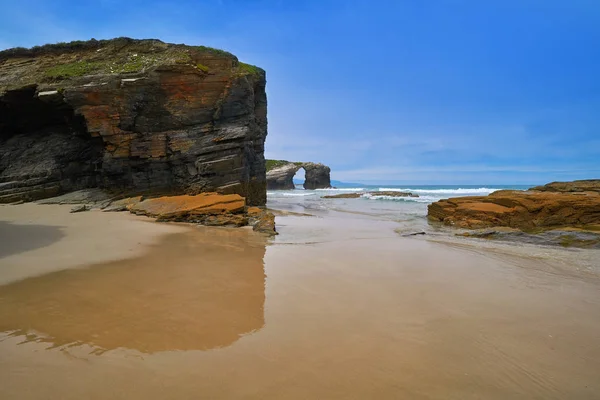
(343, 189)
(447, 192)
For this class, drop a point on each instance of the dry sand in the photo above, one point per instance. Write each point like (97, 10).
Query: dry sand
(330, 309)
(37, 239)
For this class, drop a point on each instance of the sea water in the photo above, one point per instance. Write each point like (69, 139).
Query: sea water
(409, 212)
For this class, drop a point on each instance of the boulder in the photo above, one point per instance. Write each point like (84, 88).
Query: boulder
(262, 220)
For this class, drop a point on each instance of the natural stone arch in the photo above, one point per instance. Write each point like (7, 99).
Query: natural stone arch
(281, 177)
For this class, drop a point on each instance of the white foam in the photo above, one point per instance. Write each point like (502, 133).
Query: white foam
(343, 189)
(458, 191)
(421, 199)
(289, 194)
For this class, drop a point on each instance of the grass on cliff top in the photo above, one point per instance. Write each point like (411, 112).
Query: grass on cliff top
(212, 50)
(93, 44)
(249, 69)
(272, 164)
(81, 68)
(66, 71)
(66, 47)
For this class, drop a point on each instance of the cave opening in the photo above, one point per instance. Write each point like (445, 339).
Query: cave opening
(45, 144)
(22, 112)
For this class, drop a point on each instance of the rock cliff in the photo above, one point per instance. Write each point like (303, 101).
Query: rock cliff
(280, 175)
(131, 116)
(556, 205)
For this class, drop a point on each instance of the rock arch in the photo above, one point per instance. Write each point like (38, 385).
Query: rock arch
(281, 177)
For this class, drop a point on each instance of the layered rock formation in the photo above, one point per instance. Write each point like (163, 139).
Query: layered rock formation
(132, 116)
(556, 205)
(211, 209)
(281, 175)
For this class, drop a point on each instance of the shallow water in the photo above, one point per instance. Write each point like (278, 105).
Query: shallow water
(337, 306)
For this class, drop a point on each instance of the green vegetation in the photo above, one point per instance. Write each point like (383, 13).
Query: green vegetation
(202, 67)
(248, 69)
(131, 66)
(272, 164)
(81, 68)
(122, 56)
(212, 50)
(65, 47)
(65, 71)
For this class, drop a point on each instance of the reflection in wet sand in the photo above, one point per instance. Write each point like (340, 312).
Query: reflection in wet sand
(351, 311)
(194, 292)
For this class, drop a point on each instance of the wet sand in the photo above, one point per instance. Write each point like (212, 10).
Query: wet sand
(332, 308)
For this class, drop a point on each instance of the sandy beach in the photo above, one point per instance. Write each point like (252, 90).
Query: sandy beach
(108, 305)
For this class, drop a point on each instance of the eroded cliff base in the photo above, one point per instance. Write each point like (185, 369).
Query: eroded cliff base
(209, 209)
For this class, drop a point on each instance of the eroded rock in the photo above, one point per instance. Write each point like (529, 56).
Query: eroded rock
(564, 238)
(589, 185)
(130, 115)
(317, 176)
(196, 208)
(524, 210)
(375, 194)
(281, 176)
(391, 193)
(262, 220)
(343, 196)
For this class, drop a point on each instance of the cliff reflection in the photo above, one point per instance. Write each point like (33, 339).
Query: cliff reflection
(193, 291)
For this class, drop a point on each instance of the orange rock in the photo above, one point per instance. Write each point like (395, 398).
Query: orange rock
(187, 207)
(254, 211)
(519, 209)
(265, 223)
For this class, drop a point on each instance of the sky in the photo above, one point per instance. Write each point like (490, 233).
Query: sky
(405, 91)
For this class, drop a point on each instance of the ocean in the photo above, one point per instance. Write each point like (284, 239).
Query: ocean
(409, 212)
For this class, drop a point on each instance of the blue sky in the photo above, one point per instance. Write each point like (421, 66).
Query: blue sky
(414, 91)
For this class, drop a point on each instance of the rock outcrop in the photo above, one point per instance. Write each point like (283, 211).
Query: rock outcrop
(343, 196)
(373, 194)
(549, 207)
(210, 209)
(317, 176)
(131, 116)
(281, 175)
(589, 185)
(282, 178)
